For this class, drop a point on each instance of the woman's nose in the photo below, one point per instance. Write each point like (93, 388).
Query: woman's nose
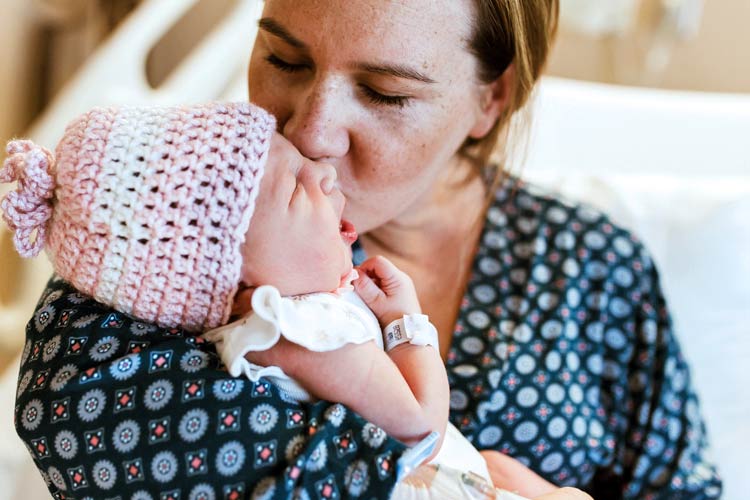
(317, 125)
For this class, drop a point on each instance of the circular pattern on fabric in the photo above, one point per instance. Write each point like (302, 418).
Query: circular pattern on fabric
(104, 348)
(24, 382)
(623, 246)
(295, 447)
(26, 351)
(356, 478)
(557, 427)
(51, 348)
(263, 418)
(52, 296)
(126, 435)
(484, 293)
(299, 494)
(158, 394)
(66, 444)
(164, 466)
(227, 389)
(92, 405)
(335, 414)
(104, 473)
(141, 495)
(458, 400)
(318, 458)
(472, 345)
(230, 458)
(527, 397)
(373, 435)
(193, 425)
(85, 321)
(193, 361)
(525, 432)
(552, 462)
(490, 436)
(594, 240)
(489, 266)
(553, 361)
(615, 339)
(125, 367)
(77, 298)
(266, 489)
(32, 415)
(43, 317)
(203, 491)
(56, 478)
(478, 319)
(137, 328)
(63, 376)
(525, 364)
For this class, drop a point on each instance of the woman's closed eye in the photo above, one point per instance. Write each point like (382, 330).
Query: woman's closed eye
(382, 99)
(371, 94)
(284, 66)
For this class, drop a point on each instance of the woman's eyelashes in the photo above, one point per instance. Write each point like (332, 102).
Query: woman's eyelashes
(372, 95)
(382, 99)
(284, 66)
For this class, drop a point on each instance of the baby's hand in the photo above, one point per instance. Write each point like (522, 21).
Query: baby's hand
(387, 290)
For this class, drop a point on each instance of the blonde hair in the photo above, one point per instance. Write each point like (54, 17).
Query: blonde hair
(505, 32)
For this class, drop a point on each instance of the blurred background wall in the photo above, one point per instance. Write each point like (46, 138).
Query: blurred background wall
(678, 44)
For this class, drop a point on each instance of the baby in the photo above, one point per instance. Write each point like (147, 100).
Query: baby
(165, 213)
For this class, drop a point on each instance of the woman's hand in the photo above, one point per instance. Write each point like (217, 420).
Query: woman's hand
(387, 290)
(509, 474)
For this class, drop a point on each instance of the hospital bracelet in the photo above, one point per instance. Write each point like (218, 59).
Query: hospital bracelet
(413, 328)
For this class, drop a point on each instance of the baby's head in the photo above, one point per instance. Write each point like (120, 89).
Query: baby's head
(163, 212)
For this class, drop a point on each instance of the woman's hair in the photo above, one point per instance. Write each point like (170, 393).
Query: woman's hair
(520, 32)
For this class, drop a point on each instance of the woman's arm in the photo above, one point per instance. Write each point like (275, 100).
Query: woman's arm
(662, 441)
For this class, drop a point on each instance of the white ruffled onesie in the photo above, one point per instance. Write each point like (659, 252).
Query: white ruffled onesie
(318, 322)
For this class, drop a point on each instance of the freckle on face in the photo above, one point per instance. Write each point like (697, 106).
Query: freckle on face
(393, 156)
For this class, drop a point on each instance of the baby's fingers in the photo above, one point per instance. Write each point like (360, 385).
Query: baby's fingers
(367, 289)
(380, 268)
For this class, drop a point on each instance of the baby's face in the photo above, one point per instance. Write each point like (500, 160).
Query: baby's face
(297, 240)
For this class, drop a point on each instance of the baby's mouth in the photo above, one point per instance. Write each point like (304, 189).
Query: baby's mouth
(348, 233)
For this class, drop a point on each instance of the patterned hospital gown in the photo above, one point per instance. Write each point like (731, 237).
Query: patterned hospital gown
(563, 357)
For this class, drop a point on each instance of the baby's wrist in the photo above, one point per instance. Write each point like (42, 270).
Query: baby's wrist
(414, 329)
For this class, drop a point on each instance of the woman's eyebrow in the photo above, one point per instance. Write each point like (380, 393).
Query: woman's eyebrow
(277, 29)
(397, 70)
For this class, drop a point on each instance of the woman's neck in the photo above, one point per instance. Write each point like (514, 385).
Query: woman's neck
(447, 215)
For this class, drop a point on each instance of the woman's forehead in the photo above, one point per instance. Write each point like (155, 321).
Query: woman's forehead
(385, 29)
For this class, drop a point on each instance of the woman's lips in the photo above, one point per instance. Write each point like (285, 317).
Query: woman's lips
(348, 233)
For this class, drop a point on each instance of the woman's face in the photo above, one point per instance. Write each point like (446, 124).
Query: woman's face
(385, 91)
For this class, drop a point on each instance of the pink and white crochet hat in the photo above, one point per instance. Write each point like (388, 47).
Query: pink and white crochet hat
(145, 209)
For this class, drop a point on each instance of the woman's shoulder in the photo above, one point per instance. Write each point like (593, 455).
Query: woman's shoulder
(538, 221)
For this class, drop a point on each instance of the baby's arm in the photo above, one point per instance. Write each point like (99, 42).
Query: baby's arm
(390, 293)
(363, 378)
(406, 393)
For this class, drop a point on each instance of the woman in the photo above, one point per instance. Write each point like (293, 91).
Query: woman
(557, 342)
(406, 100)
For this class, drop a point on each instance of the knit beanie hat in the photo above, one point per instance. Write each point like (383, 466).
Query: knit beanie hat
(144, 209)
